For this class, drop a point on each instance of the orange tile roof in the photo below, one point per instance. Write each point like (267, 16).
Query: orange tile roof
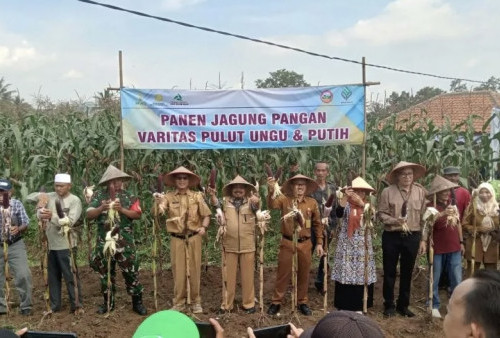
(455, 107)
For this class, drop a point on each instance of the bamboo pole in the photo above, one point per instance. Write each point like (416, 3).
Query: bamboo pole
(325, 275)
(365, 286)
(43, 199)
(74, 272)
(188, 273)
(261, 274)
(294, 271)
(108, 286)
(154, 254)
(363, 158)
(122, 156)
(474, 234)
(431, 260)
(224, 276)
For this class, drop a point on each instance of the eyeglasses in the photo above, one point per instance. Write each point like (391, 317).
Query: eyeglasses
(179, 178)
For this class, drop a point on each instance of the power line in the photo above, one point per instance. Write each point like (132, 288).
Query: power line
(243, 37)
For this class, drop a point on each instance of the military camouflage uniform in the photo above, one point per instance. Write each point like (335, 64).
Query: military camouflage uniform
(125, 254)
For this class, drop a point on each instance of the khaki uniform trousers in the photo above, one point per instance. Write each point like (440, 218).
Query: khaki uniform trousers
(246, 262)
(178, 259)
(284, 276)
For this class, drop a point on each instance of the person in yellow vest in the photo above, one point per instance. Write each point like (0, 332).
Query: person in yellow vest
(189, 217)
(239, 206)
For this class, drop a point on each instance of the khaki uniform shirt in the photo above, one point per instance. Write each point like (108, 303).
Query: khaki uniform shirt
(240, 226)
(185, 211)
(313, 222)
(391, 202)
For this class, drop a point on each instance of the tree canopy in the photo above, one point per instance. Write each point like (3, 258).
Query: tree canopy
(282, 78)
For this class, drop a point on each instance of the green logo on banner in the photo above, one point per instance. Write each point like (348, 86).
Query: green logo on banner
(178, 97)
(346, 93)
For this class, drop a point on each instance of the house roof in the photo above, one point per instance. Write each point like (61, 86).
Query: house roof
(455, 107)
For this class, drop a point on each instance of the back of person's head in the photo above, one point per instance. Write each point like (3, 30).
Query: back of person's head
(345, 324)
(482, 302)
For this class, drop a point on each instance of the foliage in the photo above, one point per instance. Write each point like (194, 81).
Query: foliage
(282, 78)
(52, 138)
(493, 84)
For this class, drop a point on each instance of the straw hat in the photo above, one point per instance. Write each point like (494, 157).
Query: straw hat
(439, 184)
(226, 191)
(169, 178)
(287, 187)
(360, 184)
(418, 171)
(111, 173)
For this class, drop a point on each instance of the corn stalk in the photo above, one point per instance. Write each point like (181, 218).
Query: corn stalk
(7, 222)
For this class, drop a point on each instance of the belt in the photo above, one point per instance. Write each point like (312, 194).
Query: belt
(299, 240)
(17, 239)
(179, 236)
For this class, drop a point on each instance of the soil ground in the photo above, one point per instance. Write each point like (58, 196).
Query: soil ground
(122, 322)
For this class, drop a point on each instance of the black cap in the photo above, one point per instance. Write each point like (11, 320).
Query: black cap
(5, 184)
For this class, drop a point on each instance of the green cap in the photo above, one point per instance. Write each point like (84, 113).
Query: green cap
(167, 324)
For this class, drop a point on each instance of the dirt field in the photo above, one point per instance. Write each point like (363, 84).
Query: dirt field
(123, 322)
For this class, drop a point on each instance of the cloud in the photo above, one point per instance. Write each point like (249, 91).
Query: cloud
(72, 74)
(11, 55)
(403, 21)
(174, 5)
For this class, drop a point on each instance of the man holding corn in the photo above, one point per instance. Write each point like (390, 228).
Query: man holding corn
(300, 215)
(59, 256)
(400, 209)
(188, 220)
(239, 206)
(115, 209)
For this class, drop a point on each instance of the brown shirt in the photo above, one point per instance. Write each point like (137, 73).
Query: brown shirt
(285, 204)
(177, 206)
(390, 204)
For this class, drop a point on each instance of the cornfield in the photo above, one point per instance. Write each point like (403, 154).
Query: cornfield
(37, 146)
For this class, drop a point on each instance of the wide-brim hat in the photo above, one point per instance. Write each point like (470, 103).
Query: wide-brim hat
(227, 190)
(169, 178)
(360, 184)
(311, 185)
(439, 184)
(418, 171)
(111, 173)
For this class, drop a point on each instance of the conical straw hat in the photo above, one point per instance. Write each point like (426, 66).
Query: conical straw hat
(439, 184)
(418, 171)
(226, 191)
(360, 184)
(111, 173)
(287, 187)
(169, 178)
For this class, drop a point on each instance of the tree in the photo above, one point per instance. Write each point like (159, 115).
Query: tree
(493, 84)
(457, 86)
(426, 93)
(282, 78)
(5, 93)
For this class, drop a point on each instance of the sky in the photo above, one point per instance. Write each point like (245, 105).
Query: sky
(68, 50)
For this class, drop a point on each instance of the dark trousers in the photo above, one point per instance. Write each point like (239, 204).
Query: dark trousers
(395, 245)
(58, 266)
